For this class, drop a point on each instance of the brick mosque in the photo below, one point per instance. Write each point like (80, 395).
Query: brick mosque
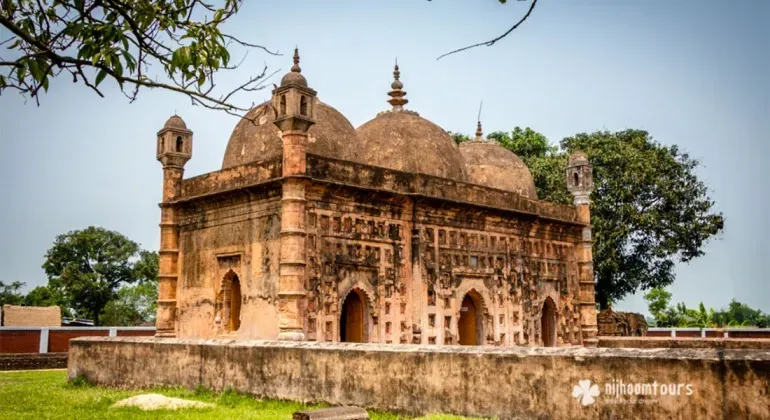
(386, 233)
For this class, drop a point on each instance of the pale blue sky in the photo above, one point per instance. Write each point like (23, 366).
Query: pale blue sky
(692, 73)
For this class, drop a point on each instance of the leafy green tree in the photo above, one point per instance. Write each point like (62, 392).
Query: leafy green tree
(459, 137)
(525, 142)
(134, 305)
(740, 315)
(658, 300)
(10, 293)
(174, 45)
(648, 209)
(130, 42)
(737, 314)
(46, 296)
(89, 266)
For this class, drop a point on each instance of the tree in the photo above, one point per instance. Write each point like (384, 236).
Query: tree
(657, 299)
(134, 305)
(493, 41)
(46, 296)
(526, 143)
(92, 40)
(458, 137)
(648, 208)
(10, 293)
(739, 314)
(89, 266)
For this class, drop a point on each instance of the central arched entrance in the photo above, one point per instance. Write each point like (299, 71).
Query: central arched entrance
(468, 324)
(548, 323)
(352, 319)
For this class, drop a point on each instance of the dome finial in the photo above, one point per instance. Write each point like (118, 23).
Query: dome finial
(294, 76)
(479, 133)
(295, 68)
(397, 98)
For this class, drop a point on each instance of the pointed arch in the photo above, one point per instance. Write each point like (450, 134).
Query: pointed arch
(228, 302)
(548, 323)
(471, 313)
(355, 316)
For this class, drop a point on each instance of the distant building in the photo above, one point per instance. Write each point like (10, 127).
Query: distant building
(389, 233)
(31, 316)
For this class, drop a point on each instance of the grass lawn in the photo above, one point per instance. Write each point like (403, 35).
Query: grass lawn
(47, 395)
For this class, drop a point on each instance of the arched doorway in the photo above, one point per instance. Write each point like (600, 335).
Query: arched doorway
(469, 325)
(235, 304)
(353, 319)
(229, 302)
(548, 323)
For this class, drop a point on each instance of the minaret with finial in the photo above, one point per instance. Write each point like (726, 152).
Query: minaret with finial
(580, 183)
(174, 150)
(294, 104)
(397, 94)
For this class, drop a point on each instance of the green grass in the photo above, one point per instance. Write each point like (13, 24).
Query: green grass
(47, 395)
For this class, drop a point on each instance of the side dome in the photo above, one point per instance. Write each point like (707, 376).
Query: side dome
(404, 141)
(494, 166)
(256, 138)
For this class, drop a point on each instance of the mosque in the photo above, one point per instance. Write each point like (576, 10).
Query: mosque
(386, 233)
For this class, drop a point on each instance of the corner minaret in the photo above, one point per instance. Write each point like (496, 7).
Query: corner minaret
(174, 150)
(580, 183)
(294, 104)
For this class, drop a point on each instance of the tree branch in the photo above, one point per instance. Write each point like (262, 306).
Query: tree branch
(493, 41)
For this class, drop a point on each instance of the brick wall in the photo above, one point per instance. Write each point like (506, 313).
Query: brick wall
(56, 339)
(28, 361)
(19, 341)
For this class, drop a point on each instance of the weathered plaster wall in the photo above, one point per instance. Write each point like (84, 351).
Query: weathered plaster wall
(358, 240)
(511, 264)
(414, 261)
(479, 381)
(239, 232)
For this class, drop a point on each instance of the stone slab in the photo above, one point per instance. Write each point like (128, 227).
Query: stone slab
(332, 413)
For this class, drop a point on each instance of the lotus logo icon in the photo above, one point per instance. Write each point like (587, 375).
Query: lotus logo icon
(585, 392)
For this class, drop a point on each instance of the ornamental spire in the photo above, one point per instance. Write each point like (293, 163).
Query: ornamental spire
(295, 68)
(397, 98)
(479, 133)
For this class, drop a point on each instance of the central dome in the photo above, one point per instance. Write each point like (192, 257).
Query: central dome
(256, 138)
(404, 141)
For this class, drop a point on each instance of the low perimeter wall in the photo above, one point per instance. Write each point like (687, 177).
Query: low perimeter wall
(553, 383)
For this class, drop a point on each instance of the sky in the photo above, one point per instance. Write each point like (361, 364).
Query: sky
(692, 73)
